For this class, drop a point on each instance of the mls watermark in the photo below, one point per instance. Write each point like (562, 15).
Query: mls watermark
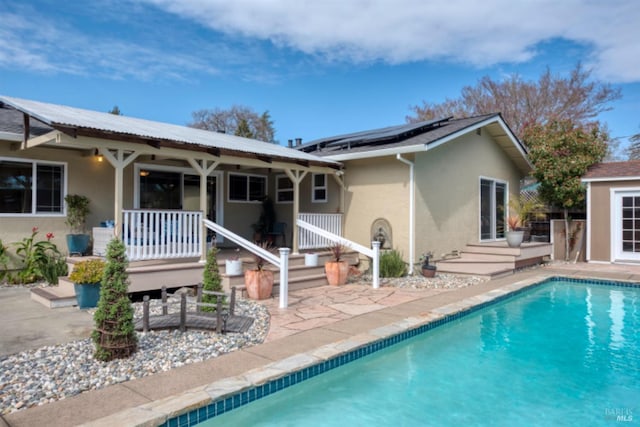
(619, 414)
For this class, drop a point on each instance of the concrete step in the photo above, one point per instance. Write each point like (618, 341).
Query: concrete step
(54, 297)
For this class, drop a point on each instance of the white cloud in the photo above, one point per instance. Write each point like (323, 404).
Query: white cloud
(133, 39)
(481, 33)
(34, 42)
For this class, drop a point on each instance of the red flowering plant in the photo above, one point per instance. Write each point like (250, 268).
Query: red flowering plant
(39, 259)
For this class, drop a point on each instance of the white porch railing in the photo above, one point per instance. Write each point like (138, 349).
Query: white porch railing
(328, 222)
(281, 262)
(373, 253)
(162, 234)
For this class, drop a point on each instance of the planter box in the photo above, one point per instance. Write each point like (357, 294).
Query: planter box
(87, 294)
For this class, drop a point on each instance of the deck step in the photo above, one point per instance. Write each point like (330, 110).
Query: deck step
(53, 297)
(486, 269)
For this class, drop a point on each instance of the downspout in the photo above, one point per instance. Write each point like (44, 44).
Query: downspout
(412, 221)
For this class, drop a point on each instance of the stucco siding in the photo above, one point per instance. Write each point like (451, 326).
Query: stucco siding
(377, 188)
(85, 176)
(448, 191)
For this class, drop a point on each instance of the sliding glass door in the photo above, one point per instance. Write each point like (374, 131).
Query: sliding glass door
(493, 209)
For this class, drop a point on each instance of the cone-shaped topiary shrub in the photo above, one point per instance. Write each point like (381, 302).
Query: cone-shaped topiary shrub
(211, 280)
(114, 336)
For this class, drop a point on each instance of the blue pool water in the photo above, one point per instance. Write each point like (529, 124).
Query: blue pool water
(560, 354)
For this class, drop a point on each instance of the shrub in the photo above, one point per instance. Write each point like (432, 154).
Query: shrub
(211, 279)
(90, 271)
(114, 335)
(392, 264)
(40, 260)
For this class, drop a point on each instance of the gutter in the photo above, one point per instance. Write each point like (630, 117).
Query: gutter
(412, 220)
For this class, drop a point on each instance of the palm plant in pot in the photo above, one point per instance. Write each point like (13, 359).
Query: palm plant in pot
(514, 236)
(337, 269)
(77, 212)
(259, 281)
(527, 209)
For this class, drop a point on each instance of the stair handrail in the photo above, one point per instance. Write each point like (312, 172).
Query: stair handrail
(373, 253)
(282, 262)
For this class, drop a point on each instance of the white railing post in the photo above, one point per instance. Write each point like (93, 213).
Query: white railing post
(376, 264)
(284, 277)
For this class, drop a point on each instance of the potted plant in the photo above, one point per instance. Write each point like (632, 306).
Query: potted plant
(77, 212)
(514, 236)
(428, 270)
(337, 269)
(86, 277)
(259, 281)
(526, 209)
(311, 259)
(233, 265)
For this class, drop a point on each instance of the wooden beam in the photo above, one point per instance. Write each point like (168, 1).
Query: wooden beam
(264, 158)
(154, 144)
(214, 151)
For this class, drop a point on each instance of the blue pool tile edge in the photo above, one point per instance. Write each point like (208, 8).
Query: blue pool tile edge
(242, 398)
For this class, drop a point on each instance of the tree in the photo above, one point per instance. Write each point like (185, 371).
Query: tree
(211, 280)
(260, 126)
(561, 153)
(115, 110)
(114, 335)
(634, 149)
(576, 98)
(243, 129)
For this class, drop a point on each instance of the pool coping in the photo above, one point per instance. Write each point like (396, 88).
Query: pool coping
(203, 402)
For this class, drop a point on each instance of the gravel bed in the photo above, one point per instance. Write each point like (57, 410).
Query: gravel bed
(52, 373)
(440, 281)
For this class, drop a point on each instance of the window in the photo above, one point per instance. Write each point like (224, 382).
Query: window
(247, 188)
(31, 187)
(160, 189)
(319, 188)
(284, 189)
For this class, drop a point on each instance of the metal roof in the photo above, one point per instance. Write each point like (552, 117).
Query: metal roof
(11, 122)
(111, 126)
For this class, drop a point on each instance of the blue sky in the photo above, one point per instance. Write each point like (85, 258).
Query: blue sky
(320, 68)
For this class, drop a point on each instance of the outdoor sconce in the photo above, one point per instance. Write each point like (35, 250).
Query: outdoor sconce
(98, 156)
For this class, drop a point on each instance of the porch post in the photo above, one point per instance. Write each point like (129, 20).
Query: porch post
(296, 178)
(119, 160)
(204, 171)
(338, 176)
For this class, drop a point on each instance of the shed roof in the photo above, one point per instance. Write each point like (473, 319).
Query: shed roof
(613, 171)
(76, 121)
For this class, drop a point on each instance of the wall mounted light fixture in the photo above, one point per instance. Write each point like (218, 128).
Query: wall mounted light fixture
(98, 156)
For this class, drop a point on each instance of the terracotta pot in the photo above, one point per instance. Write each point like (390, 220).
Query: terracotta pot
(336, 272)
(259, 283)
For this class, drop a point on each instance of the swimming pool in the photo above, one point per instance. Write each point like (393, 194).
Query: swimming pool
(561, 353)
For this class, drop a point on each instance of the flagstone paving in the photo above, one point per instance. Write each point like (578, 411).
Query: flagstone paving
(312, 308)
